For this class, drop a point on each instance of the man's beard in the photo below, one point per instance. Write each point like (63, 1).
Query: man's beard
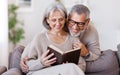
(78, 34)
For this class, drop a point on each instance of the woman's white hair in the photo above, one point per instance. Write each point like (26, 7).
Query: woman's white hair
(55, 6)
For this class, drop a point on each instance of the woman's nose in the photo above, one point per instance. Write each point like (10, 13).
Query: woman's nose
(57, 22)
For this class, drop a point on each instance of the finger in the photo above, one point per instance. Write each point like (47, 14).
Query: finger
(25, 69)
(79, 44)
(50, 63)
(75, 45)
(26, 58)
(51, 60)
(66, 61)
(23, 65)
(49, 56)
(44, 60)
(45, 54)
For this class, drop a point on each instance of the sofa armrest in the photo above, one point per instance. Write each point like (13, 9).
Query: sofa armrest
(2, 69)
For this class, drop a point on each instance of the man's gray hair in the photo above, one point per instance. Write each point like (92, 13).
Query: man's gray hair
(55, 6)
(80, 9)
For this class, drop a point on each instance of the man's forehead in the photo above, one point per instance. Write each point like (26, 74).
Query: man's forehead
(77, 17)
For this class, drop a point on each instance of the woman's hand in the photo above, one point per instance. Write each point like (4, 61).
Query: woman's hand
(23, 65)
(46, 59)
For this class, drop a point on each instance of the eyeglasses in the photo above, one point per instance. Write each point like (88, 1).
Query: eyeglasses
(80, 24)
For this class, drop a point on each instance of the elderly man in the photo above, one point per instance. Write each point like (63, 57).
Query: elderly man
(78, 25)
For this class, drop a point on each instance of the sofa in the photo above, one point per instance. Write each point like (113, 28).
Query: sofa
(106, 64)
(2, 69)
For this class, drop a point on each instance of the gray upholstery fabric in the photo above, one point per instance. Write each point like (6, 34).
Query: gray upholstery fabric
(118, 52)
(107, 64)
(15, 57)
(13, 71)
(14, 62)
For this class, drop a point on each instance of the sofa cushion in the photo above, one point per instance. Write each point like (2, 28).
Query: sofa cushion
(13, 71)
(15, 57)
(106, 64)
(118, 52)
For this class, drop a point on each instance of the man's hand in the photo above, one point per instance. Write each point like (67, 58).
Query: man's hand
(84, 51)
(23, 64)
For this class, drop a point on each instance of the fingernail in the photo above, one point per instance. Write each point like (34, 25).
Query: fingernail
(52, 53)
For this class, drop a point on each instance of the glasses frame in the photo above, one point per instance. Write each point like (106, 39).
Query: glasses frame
(79, 24)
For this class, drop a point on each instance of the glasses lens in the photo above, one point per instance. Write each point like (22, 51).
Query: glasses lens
(81, 23)
(72, 22)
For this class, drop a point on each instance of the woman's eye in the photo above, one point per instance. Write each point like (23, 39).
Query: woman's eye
(53, 20)
(61, 19)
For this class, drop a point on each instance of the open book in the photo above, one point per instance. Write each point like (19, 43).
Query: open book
(71, 56)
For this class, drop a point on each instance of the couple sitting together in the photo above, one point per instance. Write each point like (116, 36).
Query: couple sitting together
(62, 30)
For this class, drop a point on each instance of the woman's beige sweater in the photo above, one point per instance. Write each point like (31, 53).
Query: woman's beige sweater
(39, 45)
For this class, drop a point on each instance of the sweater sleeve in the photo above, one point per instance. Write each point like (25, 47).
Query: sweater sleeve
(94, 49)
(34, 51)
(34, 60)
(82, 64)
(34, 64)
(93, 45)
(90, 39)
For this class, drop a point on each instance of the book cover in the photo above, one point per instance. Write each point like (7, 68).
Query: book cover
(70, 56)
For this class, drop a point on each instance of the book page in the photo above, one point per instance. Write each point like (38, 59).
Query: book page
(72, 50)
(56, 49)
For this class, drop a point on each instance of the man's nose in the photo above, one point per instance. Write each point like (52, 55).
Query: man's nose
(75, 26)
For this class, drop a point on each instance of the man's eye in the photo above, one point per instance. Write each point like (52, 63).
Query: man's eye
(72, 22)
(81, 23)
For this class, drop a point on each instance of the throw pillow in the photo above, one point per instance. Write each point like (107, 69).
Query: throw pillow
(106, 64)
(15, 57)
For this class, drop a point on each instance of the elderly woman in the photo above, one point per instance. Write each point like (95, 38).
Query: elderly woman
(39, 62)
